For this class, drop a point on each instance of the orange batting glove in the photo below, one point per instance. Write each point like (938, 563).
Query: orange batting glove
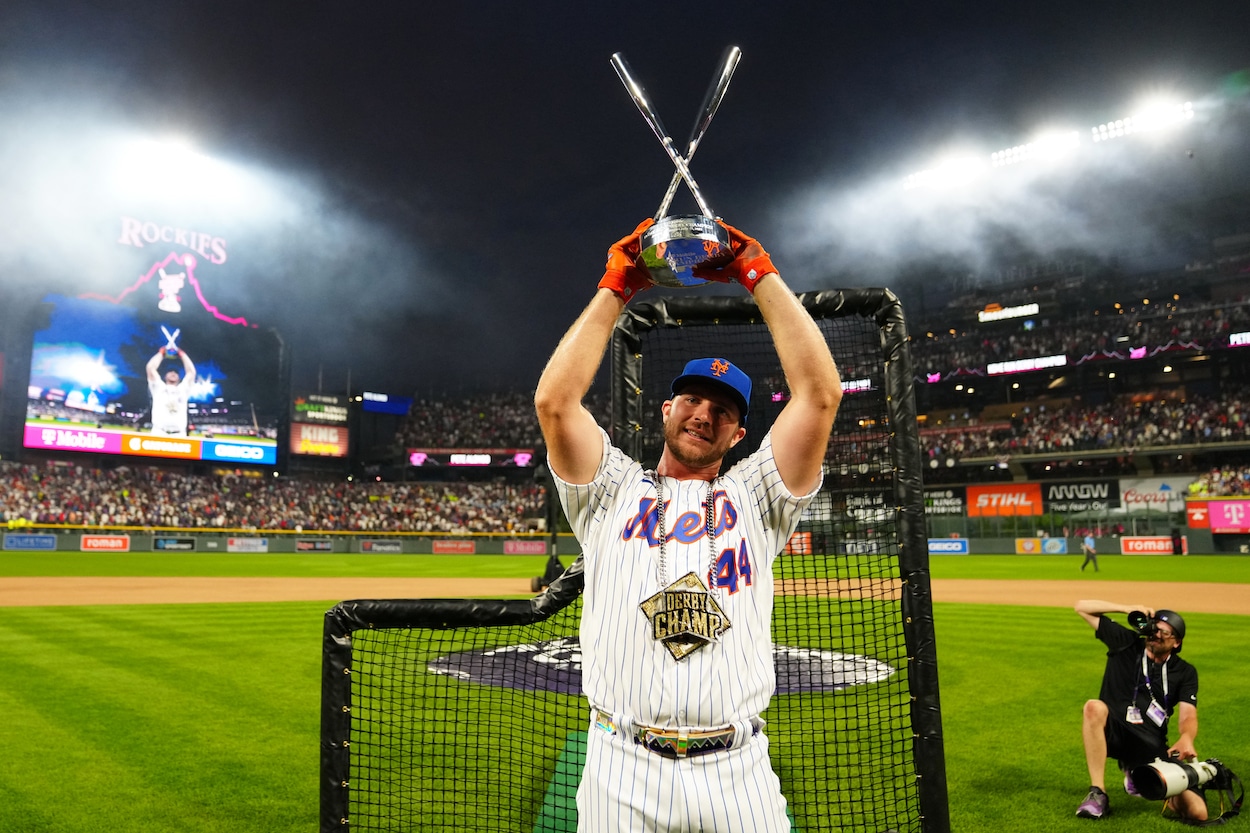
(622, 274)
(750, 263)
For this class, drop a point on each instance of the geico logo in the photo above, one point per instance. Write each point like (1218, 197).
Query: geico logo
(241, 452)
(946, 546)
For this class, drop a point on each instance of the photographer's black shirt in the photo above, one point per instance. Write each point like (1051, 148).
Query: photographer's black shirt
(1123, 684)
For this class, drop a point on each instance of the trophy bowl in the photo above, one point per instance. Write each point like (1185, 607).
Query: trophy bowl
(673, 247)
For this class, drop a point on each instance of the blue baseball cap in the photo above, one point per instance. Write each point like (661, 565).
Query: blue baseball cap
(722, 373)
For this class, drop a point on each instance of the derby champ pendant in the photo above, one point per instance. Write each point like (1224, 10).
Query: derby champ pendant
(685, 616)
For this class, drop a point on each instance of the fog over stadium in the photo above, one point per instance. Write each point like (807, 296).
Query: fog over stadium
(419, 199)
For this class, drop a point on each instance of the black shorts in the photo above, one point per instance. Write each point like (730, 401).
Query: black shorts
(1130, 747)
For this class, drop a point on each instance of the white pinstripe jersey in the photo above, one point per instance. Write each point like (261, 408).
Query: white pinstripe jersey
(625, 671)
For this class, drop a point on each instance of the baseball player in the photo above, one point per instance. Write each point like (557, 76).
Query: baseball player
(170, 395)
(675, 635)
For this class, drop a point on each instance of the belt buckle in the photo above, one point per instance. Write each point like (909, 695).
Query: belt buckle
(679, 746)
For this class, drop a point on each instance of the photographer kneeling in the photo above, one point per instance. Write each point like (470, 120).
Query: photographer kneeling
(1144, 681)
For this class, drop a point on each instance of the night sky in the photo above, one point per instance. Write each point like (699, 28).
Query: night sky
(432, 187)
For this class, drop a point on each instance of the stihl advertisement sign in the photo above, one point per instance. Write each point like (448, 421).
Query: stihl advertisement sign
(1004, 499)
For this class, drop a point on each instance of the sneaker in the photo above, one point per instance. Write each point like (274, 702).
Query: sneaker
(1129, 786)
(1094, 806)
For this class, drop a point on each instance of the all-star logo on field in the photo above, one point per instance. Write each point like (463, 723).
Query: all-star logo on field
(556, 665)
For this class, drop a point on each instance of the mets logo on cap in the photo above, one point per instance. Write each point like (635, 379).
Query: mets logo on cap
(723, 372)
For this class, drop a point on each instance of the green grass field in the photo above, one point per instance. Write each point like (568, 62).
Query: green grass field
(205, 717)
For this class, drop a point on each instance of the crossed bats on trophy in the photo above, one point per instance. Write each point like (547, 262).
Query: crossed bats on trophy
(711, 103)
(673, 246)
(171, 340)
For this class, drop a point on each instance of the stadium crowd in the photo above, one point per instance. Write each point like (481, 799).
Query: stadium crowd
(495, 420)
(1222, 482)
(1096, 336)
(151, 497)
(1114, 426)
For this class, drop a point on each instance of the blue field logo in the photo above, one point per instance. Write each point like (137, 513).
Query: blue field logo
(556, 665)
(29, 541)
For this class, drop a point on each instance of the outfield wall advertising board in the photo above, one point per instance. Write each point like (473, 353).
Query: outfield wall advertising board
(171, 544)
(1229, 516)
(1149, 545)
(525, 547)
(26, 541)
(460, 547)
(386, 545)
(104, 543)
(1041, 546)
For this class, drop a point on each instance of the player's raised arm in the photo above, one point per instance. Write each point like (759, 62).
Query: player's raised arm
(188, 366)
(574, 444)
(154, 365)
(800, 433)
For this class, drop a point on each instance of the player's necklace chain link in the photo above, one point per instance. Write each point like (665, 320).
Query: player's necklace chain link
(709, 523)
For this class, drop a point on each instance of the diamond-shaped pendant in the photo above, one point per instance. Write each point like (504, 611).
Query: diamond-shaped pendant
(685, 616)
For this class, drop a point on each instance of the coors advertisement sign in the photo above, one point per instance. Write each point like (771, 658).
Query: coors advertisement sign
(1084, 496)
(1156, 494)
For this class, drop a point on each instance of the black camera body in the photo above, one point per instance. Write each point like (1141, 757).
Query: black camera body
(1142, 623)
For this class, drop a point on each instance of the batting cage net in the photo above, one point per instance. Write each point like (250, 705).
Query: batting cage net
(467, 715)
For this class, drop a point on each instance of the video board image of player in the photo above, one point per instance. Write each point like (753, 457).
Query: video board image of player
(102, 365)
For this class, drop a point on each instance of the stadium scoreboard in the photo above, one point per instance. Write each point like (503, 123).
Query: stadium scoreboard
(152, 366)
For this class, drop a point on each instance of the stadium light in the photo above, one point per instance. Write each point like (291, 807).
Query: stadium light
(1150, 117)
(1046, 146)
(172, 169)
(1154, 116)
(956, 171)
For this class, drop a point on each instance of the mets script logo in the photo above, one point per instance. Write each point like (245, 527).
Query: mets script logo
(720, 367)
(687, 529)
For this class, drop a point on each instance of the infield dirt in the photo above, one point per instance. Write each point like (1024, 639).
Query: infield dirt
(23, 591)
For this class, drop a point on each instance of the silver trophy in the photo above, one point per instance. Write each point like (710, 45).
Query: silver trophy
(676, 245)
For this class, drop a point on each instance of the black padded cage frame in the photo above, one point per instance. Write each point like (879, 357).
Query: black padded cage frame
(856, 722)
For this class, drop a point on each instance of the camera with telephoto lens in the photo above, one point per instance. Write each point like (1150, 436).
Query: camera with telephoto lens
(1142, 623)
(1162, 779)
